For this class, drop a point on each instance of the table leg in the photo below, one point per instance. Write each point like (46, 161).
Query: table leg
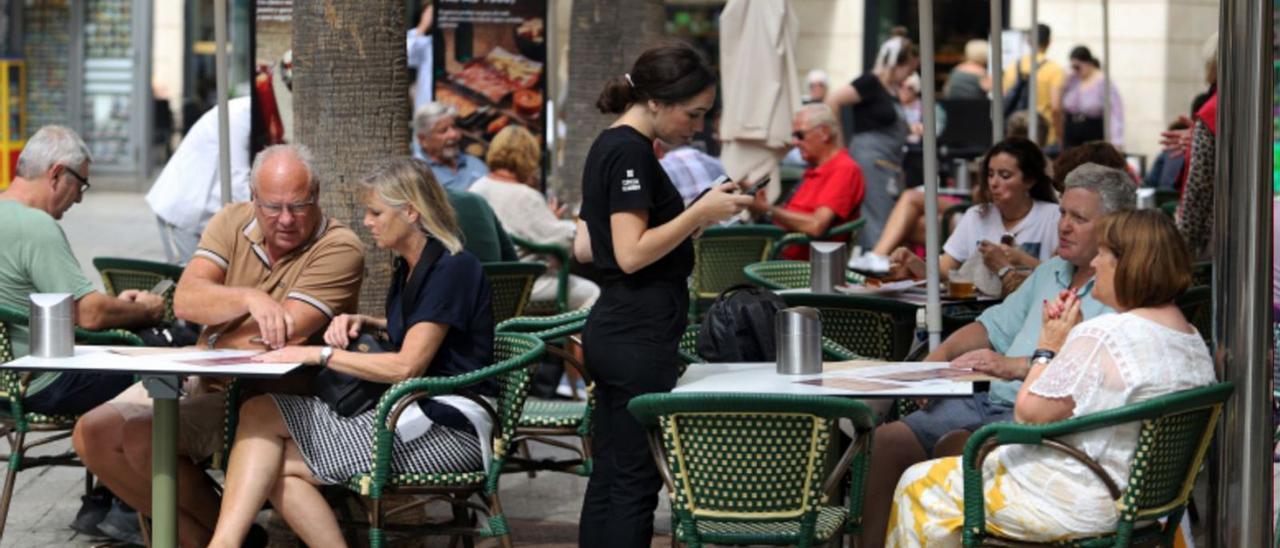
(165, 391)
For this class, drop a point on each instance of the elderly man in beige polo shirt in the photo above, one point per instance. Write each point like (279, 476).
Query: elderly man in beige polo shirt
(267, 273)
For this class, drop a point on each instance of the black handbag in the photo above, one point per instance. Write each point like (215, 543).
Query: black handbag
(348, 395)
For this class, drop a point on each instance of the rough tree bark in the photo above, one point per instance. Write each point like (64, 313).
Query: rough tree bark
(351, 107)
(605, 39)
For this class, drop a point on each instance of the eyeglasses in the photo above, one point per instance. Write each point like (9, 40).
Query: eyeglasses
(799, 134)
(84, 181)
(295, 209)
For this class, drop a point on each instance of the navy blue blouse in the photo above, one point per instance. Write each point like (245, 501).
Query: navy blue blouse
(454, 293)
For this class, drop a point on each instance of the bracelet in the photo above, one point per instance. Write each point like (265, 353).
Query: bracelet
(1042, 355)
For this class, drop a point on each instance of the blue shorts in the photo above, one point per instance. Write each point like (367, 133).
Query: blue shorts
(946, 415)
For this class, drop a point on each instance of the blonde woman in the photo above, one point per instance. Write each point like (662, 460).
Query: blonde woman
(969, 80)
(511, 190)
(440, 324)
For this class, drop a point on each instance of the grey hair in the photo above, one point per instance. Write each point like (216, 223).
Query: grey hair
(51, 145)
(300, 152)
(822, 115)
(1114, 187)
(429, 114)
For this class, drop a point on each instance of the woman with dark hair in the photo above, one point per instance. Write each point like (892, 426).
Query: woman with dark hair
(1145, 350)
(879, 130)
(1078, 105)
(636, 230)
(1014, 222)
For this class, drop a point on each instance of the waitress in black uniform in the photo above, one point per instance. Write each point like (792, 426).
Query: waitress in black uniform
(638, 234)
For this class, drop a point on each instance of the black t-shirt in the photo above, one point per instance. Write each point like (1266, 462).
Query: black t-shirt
(622, 173)
(876, 110)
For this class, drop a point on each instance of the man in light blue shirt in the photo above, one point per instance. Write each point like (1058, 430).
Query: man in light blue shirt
(1001, 342)
(435, 131)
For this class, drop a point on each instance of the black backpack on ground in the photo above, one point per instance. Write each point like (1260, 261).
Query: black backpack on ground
(739, 326)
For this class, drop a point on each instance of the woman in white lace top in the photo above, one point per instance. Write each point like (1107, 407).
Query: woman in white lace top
(1146, 350)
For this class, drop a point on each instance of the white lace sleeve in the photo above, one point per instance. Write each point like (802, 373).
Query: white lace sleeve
(1079, 369)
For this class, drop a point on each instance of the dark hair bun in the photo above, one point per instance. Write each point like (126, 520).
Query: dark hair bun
(616, 96)
(668, 73)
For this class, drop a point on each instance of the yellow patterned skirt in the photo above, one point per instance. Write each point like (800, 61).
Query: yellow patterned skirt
(928, 506)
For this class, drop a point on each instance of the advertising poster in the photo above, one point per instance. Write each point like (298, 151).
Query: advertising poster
(490, 64)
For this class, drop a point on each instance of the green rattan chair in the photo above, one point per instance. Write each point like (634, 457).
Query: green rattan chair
(120, 274)
(881, 329)
(721, 252)
(779, 275)
(847, 232)
(511, 283)
(1175, 434)
(561, 254)
(749, 468)
(17, 423)
(515, 356)
(544, 420)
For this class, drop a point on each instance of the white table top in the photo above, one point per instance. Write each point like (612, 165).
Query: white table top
(916, 296)
(155, 361)
(838, 379)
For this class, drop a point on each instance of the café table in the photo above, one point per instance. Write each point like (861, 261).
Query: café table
(161, 370)
(862, 379)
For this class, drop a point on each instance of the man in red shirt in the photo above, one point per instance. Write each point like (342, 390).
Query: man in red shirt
(831, 191)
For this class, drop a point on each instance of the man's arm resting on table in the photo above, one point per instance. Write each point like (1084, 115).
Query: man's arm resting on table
(96, 311)
(813, 224)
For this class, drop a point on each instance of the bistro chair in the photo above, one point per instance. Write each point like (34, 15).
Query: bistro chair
(881, 329)
(779, 275)
(510, 283)
(749, 468)
(515, 355)
(1175, 435)
(561, 254)
(846, 232)
(17, 423)
(721, 252)
(544, 420)
(121, 274)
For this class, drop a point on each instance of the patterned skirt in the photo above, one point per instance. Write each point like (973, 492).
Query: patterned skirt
(928, 506)
(336, 447)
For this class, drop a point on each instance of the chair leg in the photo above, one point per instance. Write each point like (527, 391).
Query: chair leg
(498, 521)
(523, 449)
(376, 539)
(16, 448)
(88, 482)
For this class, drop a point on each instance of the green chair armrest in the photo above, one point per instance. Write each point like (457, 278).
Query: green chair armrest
(849, 229)
(530, 324)
(562, 254)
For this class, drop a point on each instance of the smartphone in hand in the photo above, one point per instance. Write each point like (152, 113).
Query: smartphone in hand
(162, 286)
(714, 184)
(757, 186)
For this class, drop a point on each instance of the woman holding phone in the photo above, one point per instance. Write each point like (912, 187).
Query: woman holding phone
(635, 228)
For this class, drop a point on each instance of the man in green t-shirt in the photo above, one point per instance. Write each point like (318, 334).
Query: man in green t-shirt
(52, 176)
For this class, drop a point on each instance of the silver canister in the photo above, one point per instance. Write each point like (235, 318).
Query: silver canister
(52, 325)
(798, 331)
(826, 266)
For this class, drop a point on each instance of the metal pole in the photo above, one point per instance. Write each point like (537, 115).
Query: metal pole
(995, 49)
(1106, 71)
(224, 127)
(1240, 511)
(1033, 121)
(933, 310)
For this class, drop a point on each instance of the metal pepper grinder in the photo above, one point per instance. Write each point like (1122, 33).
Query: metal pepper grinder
(52, 325)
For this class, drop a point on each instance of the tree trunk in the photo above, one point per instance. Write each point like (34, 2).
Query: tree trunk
(605, 39)
(351, 107)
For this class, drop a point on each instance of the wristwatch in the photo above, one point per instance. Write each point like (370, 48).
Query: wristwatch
(1003, 270)
(326, 352)
(1042, 356)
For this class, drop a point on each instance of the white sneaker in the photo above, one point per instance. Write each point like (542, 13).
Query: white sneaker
(870, 262)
